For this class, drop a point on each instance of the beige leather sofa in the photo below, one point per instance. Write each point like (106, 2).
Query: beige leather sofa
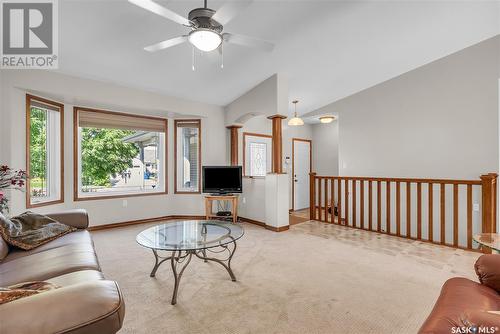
(85, 301)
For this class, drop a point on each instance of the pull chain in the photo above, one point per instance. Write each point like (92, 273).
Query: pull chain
(222, 55)
(192, 60)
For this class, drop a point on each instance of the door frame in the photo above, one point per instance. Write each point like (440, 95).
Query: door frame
(293, 164)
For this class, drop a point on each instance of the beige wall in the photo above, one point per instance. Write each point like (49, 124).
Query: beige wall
(82, 92)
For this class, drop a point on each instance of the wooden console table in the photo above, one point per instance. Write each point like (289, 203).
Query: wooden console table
(231, 198)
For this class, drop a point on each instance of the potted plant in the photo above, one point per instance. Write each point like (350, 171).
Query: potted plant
(10, 179)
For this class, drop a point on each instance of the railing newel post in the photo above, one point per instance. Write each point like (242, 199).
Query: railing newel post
(312, 196)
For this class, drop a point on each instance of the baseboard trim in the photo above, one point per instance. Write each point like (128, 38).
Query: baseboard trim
(278, 229)
(142, 221)
(252, 221)
(172, 217)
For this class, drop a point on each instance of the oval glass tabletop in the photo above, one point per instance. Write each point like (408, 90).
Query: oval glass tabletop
(189, 235)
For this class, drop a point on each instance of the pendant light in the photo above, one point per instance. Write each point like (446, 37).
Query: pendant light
(295, 121)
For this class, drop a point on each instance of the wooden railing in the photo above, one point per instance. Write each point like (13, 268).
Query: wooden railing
(426, 213)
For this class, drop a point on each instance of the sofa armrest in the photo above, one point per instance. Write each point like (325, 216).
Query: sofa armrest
(91, 307)
(488, 270)
(77, 218)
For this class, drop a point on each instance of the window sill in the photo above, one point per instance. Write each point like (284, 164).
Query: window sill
(77, 198)
(40, 204)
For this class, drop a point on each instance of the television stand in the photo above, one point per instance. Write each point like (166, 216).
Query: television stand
(227, 198)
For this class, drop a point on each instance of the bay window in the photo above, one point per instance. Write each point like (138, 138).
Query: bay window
(187, 137)
(44, 151)
(118, 154)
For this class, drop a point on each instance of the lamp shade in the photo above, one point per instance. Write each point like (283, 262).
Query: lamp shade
(295, 121)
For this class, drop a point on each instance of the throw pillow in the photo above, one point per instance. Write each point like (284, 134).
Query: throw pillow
(22, 290)
(30, 230)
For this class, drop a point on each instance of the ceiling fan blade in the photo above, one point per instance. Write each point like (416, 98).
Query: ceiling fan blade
(229, 10)
(160, 10)
(166, 44)
(248, 42)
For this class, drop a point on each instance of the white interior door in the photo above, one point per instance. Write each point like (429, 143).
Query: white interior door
(301, 170)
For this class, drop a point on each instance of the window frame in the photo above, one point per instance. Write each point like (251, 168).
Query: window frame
(76, 156)
(251, 134)
(60, 109)
(197, 121)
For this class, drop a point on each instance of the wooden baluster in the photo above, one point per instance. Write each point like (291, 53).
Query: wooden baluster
(469, 216)
(455, 215)
(332, 201)
(379, 206)
(339, 201)
(362, 204)
(408, 209)
(443, 213)
(312, 196)
(370, 205)
(431, 211)
(354, 199)
(346, 199)
(388, 207)
(419, 211)
(398, 209)
(326, 199)
(319, 198)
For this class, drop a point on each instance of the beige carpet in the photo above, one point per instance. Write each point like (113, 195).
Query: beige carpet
(314, 278)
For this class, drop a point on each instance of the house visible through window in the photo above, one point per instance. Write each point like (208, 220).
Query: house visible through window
(119, 154)
(45, 150)
(256, 154)
(187, 156)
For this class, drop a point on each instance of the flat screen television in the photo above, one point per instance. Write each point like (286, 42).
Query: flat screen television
(222, 179)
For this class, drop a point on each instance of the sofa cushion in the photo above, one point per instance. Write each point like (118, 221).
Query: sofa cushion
(30, 230)
(4, 249)
(488, 270)
(462, 302)
(76, 277)
(74, 238)
(50, 263)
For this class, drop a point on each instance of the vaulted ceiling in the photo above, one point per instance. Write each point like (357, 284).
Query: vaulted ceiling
(327, 49)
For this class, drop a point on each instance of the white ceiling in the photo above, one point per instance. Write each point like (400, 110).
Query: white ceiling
(327, 49)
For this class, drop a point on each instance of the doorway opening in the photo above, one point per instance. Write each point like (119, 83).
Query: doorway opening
(301, 167)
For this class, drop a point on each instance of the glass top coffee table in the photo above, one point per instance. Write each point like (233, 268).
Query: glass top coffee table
(191, 237)
(490, 240)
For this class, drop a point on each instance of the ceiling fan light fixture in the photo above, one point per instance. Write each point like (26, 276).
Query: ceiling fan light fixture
(205, 40)
(326, 119)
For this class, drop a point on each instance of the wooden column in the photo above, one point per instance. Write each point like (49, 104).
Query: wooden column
(277, 143)
(234, 143)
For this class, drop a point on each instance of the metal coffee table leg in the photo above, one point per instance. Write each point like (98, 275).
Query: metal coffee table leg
(177, 259)
(158, 261)
(229, 248)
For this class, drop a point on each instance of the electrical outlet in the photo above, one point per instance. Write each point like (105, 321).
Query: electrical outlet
(244, 200)
(475, 207)
(124, 203)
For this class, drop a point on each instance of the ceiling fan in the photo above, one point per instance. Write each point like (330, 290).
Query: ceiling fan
(206, 26)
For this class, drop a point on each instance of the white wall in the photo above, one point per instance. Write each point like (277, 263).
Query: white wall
(326, 148)
(440, 120)
(82, 92)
